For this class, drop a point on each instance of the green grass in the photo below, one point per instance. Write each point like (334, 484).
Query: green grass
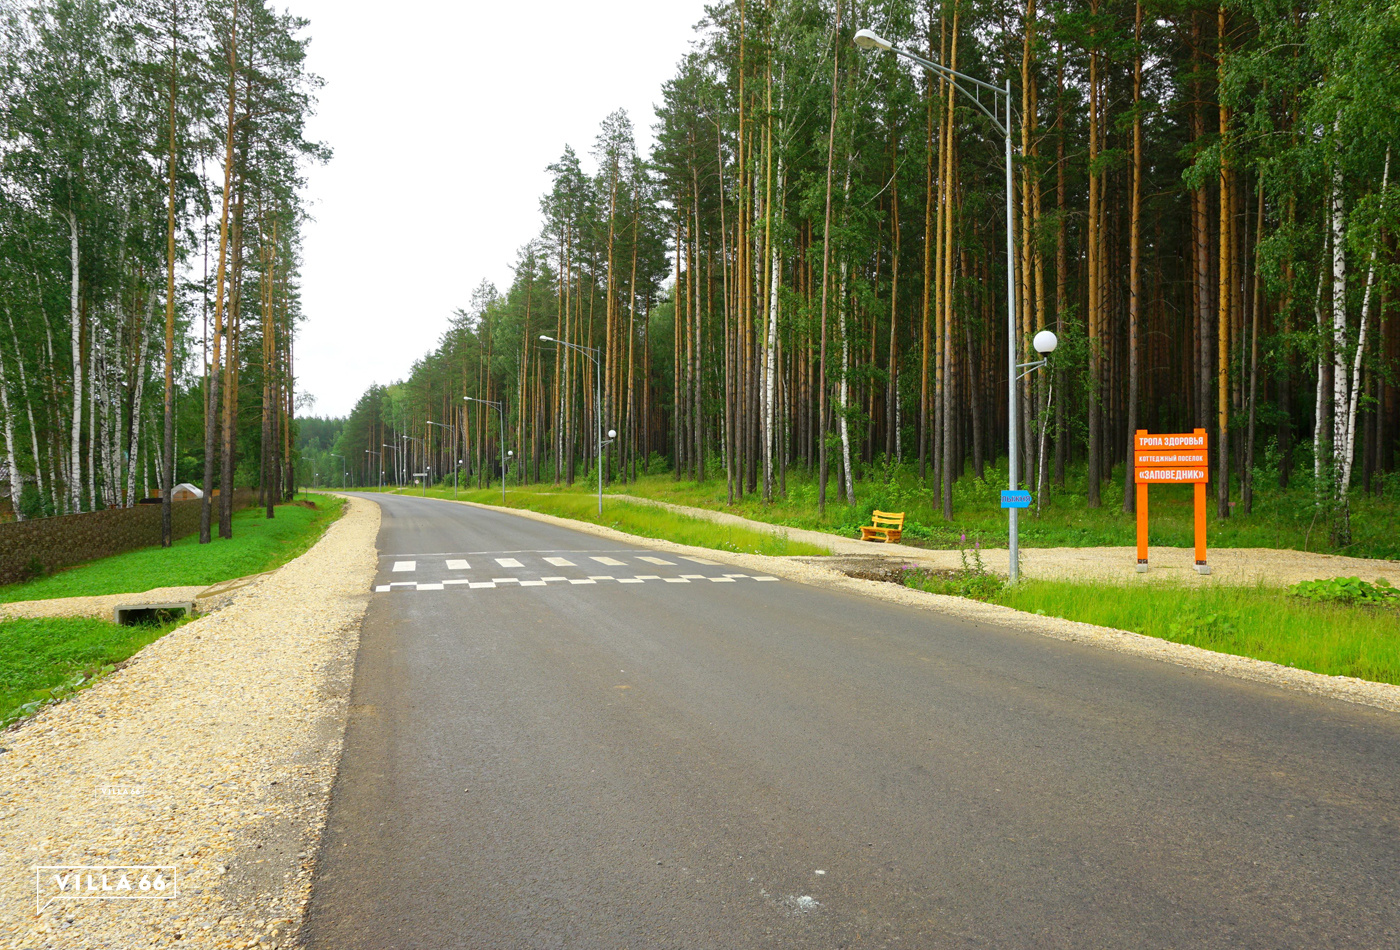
(42, 661)
(1281, 519)
(1260, 622)
(645, 521)
(257, 545)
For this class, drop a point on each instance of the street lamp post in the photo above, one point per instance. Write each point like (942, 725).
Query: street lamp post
(380, 456)
(453, 430)
(395, 450)
(424, 445)
(592, 354)
(500, 408)
(869, 39)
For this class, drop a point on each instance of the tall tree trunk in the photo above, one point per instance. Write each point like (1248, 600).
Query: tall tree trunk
(1134, 266)
(212, 395)
(1224, 317)
(826, 261)
(167, 468)
(1247, 471)
(1095, 381)
(75, 482)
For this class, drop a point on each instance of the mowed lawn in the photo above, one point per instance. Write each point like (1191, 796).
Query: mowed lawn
(257, 545)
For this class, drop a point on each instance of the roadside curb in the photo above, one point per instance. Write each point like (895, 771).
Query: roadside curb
(1345, 688)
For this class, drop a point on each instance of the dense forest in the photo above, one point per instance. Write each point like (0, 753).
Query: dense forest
(809, 272)
(150, 161)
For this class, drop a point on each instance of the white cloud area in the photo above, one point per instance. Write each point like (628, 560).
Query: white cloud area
(443, 117)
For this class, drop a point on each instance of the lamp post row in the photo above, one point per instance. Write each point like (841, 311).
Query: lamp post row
(1045, 341)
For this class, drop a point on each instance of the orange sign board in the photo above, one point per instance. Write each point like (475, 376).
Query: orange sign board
(1166, 459)
(1178, 475)
(1179, 458)
(1175, 440)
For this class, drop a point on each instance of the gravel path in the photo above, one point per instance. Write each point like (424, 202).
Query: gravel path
(1242, 566)
(223, 738)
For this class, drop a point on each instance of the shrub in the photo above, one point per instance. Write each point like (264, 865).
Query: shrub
(1347, 590)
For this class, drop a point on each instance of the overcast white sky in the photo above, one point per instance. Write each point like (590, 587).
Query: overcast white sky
(443, 116)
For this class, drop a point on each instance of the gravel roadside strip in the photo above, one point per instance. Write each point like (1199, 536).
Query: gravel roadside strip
(802, 570)
(1238, 566)
(213, 750)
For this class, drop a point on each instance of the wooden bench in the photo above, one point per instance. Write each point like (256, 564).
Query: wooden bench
(886, 526)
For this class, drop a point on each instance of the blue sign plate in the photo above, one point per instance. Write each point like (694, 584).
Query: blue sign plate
(1015, 499)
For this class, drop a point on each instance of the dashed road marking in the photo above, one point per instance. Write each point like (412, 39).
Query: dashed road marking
(698, 560)
(400, 566)
(559, 561)
(458, 566)
(609, 561)
(656, 560)
(508, 562)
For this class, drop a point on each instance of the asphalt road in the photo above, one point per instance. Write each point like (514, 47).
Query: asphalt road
(737, 763)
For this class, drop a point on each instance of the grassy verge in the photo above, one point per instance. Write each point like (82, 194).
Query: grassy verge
(645, 521)
(257, 545)
(1263, 623)
(1281, 518)
(43, 661)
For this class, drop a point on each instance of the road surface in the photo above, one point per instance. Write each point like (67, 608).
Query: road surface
(558, 741)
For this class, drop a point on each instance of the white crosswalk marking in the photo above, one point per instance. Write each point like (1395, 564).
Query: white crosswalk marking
(459, 564)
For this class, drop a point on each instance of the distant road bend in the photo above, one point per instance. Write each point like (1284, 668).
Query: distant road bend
(559, 741)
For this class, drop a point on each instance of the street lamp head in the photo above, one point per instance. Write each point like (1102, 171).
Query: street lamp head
(612, 433)
(1045, 342)
(510, 453)
(548, 339)
(869, 39)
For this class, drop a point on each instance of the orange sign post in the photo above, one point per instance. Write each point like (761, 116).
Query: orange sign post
(1172, 459)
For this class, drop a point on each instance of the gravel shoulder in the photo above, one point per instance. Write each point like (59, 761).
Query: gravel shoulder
(1238, 566)
(827, 573)
(223, 736)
